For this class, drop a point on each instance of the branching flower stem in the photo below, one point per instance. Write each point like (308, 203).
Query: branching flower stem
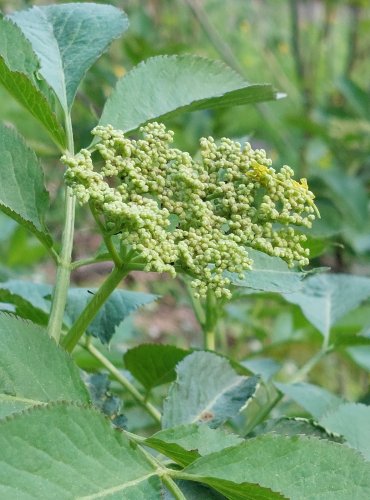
(92, 308)
(64, 260)
(123, 381)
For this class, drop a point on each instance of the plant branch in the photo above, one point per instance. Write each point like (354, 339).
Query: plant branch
(195, 304)
(89, 261)
(298, 376)
(310, 364)
(92, 308)
(123, 381)
(173, 488)
(64, 260)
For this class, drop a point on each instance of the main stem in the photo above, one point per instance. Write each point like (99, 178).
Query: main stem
(92, 308)
(64, 261)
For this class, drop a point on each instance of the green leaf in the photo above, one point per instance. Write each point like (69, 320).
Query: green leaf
(66, 451)
(361, 356)
(119, 305)
(207, 390)
(315, 400)
(33, 369)
(297, 467)
(22, 192)
(325, 298)
(28, 298)
(154, 364)
(352, 421)
(186, 443)
(268, 274)
(19, 73)
(293, 426)
(349, 195)
(167, 85)
(31, 301)
(356, 97)
(68, 39)
(265, 367)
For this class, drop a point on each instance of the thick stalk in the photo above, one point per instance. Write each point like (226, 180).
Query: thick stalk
(124, 382)
(64, 261)
(92, 308)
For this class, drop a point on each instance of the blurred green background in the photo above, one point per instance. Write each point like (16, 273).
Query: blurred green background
(316, 52)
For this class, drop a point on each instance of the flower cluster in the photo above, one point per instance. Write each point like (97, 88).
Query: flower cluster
(197, 216)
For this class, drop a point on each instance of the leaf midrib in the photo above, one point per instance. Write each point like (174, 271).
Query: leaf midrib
(119, 487)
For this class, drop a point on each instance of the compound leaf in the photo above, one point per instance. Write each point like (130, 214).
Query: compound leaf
(22, 192)
(19, 73)
(207, 390)
(167, 85)
(68, 39)
(66, 451)
(296, 467)
(33, 369)
(154, 364)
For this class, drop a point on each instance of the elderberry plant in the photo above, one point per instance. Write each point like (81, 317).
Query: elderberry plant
(227, 223)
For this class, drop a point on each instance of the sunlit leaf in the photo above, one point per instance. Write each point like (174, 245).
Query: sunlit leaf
(19, 74)
(167, 85)
(22, 192)
(68, 39)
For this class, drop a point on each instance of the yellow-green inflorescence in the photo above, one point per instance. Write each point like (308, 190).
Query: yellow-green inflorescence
(197, 216)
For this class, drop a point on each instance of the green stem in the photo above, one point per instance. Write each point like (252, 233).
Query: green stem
(209, 340)
(64, 261)
(299, 375)
(260, 417)
(195, 304)
(209, 327)
(311, 363)
(107, 239)
(164, 473)
(172, 487)
(92, 308)
(124, 381)
(89, 261)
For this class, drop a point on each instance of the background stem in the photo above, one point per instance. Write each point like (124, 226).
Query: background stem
(64, 261)
(124, 381)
